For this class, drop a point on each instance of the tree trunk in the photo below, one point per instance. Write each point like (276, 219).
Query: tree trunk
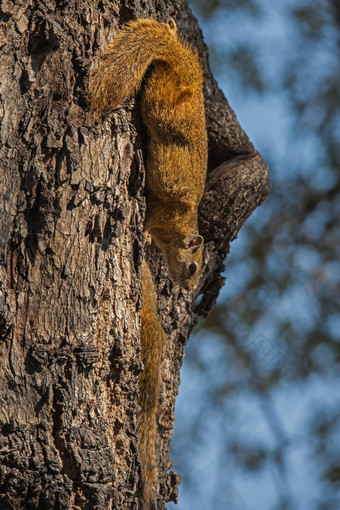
(71, 221)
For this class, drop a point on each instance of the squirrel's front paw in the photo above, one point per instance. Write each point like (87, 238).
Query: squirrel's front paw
(148, 238)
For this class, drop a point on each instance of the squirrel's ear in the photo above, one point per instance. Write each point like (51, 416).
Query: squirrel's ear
(193, 241)
(172, 24)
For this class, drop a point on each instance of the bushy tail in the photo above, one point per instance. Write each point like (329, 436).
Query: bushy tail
(126, 59)
(152, 339)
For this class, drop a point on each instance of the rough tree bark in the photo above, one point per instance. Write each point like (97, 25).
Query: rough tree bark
(71, 243)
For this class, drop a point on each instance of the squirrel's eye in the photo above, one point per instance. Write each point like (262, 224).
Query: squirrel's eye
(192, 268)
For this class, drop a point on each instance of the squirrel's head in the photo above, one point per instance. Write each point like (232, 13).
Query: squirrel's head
(184, 260)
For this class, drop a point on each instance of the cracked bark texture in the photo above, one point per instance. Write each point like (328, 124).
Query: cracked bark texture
(71, 245)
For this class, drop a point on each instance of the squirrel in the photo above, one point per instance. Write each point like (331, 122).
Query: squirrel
(172, 107)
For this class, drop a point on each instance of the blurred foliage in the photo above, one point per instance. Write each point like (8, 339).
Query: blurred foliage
(275, 333)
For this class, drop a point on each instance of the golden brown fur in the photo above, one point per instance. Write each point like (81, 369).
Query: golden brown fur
(172, 108)
(152, 340)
